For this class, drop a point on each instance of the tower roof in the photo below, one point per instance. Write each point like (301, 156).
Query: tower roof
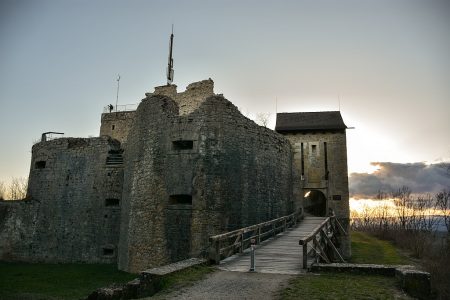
(310, 121)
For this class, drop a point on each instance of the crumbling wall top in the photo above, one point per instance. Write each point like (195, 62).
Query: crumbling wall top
(191, 99)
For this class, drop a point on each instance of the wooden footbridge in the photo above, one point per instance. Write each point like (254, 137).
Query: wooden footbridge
(288, 245)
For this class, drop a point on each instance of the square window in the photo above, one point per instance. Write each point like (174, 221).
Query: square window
(40, 164)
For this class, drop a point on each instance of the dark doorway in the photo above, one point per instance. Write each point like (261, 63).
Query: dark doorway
(315, 203)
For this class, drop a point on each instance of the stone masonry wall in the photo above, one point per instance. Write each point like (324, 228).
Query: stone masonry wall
(189, 100)
(335, 188)
(73, 214)
(117, 125)
(189, 176)
(17, 219)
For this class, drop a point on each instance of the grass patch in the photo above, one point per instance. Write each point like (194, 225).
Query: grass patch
(56, 281)
(341, 286)
(367, 249)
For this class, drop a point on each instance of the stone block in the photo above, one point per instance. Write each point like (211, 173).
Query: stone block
(415, 283)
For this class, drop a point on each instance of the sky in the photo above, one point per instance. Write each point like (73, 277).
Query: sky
(384, 64)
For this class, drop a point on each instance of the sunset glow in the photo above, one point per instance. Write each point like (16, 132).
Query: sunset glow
(387, 208)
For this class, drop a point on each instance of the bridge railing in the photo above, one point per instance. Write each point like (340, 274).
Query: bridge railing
(321, 239)
(227, 244)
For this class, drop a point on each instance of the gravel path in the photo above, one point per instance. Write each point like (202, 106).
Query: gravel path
(231, 285)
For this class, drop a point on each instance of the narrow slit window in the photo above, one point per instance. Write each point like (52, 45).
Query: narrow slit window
(113, 127)
(182, 145)
(303, 160)
(180, 199)
(326, 160)
(314, 149)
(112, 202)
(40, 164)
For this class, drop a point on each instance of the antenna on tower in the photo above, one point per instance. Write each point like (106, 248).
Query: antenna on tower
(117, 95)
(339, 99)
(276, 105)
(170, 70)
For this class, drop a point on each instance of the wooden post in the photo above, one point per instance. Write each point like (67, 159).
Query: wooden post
(305, 255)
(241, 248)
(259, 235)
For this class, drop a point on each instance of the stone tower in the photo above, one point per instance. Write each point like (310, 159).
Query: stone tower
(320, 175)
(196, 167)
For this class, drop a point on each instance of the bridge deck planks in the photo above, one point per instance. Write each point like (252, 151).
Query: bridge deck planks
(281, 254)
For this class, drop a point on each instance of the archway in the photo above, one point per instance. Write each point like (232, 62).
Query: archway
(315, 203)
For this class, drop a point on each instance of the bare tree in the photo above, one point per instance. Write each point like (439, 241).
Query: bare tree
(18, 188)
(262, 119)
(2, 190)
(402, 202)
(443, 202)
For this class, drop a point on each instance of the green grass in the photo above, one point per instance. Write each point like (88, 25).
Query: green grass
(367, 249)
(183, 278)
(341, 286)
(56, 281)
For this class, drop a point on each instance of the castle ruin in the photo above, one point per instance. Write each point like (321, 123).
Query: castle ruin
(160, 180)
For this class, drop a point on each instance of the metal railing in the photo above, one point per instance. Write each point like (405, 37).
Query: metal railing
(227, 244)
(120, 108)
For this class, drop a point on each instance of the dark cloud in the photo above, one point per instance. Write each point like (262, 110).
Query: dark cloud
(419, 177)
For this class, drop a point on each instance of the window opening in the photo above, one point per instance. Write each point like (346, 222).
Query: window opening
(112, 202)
(182, 145)
(40, 164)
(326, 160)
(180, 199)
(303, 161)
(113, 127)
(108, 251)
(313, 149)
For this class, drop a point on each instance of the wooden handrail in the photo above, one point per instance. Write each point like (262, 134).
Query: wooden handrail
(314, 232)
(328, 226)
(220, 243)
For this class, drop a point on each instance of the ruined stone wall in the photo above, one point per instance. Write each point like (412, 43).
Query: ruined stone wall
(189, 176)
(335, 188)
(117, 125)
(189, 100)
(74, 211)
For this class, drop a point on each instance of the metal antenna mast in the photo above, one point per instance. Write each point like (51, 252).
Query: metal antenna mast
(117, 95)
(170, 70)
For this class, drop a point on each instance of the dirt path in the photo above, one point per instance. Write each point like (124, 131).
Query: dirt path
(231, 285)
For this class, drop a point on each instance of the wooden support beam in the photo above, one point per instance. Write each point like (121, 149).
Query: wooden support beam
(321, 251)
(330, 243)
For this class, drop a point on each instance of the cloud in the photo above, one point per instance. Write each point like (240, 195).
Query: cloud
(419, 177)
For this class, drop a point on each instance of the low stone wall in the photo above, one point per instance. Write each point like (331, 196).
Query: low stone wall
(416, 283)
(148, 283)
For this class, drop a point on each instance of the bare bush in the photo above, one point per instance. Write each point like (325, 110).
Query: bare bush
(412, 225)
(2, 190)
(443, 202)
(16, 190)
(262, 119)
